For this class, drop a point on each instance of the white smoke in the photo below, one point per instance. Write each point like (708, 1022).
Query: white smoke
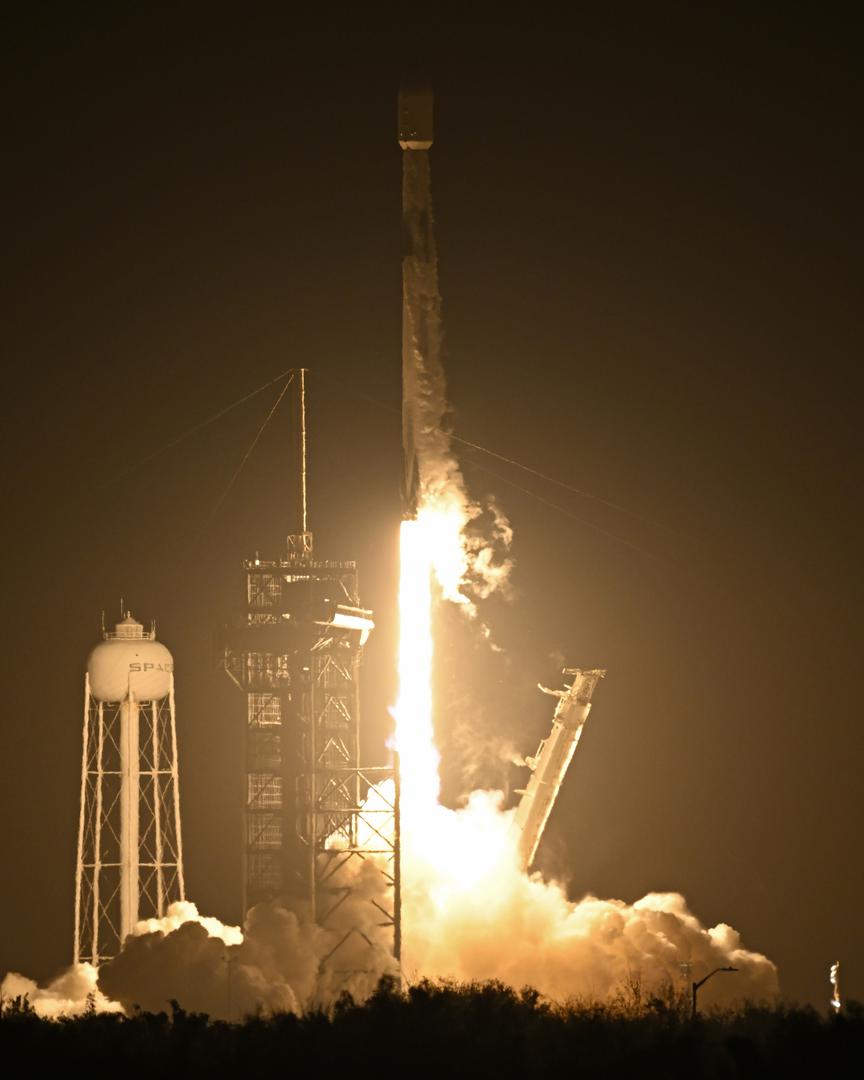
(470, 913)
(276, 965)
(73, 993)
(271, 969)
(184, 911)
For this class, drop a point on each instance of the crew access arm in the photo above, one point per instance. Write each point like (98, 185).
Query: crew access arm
(549, 765)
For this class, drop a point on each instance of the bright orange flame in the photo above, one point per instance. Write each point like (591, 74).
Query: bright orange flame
(468, 909)
(418, 757)
(450, 851)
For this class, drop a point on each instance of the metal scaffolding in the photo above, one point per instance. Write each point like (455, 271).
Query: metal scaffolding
(130, 851)
(311, 810)
(316, 824)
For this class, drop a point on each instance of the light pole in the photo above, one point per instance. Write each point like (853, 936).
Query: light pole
(701, 982)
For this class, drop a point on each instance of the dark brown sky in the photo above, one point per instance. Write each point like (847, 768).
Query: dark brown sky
(646, 227)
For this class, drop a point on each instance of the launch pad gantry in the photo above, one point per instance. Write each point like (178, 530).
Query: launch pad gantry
(310, 809)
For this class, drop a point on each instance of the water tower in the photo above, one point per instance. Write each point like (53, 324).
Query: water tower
(130, 853)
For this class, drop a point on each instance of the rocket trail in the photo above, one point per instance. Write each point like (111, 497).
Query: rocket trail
(423, 386)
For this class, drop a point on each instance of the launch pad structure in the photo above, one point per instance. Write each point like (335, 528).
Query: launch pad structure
(312, 813)
(550, 764)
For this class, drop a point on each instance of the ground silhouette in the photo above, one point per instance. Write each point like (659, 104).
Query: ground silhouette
(450, 1030)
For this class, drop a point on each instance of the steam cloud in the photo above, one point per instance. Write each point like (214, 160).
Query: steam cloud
(468, 912)
(275, 965)
(485, 918)
(70, 994)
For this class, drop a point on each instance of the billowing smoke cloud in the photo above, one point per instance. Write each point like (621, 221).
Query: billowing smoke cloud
(74, 992)
(184, 911)
(277, 964)
(472, 916)
(272, 969)
(469, 912)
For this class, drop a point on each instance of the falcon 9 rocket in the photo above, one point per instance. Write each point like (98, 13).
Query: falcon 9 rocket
(422, 375)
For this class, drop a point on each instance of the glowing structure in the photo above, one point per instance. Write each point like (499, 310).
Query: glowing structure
(309, 807)
(130, 851)
(549, 765)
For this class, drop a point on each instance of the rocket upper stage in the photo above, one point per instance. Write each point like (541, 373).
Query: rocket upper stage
(415, 118)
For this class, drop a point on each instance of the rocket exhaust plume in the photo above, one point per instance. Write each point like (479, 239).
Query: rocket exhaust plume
(464, 885)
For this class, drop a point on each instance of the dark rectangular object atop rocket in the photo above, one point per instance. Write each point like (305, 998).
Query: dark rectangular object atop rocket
(415, 118)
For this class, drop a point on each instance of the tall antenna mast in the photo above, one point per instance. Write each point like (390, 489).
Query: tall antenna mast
(299, 538)
(303, 449)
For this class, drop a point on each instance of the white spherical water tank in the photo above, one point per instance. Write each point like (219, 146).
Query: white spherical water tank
(130, 660)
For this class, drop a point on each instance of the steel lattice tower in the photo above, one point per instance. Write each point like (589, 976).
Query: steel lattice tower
(295, 654)
(130, 851)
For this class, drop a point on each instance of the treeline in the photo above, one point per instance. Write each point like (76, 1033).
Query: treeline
(449, 1030)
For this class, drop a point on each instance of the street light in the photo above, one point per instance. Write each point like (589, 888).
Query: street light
(701, 982)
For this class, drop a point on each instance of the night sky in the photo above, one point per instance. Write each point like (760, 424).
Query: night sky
(648, 228)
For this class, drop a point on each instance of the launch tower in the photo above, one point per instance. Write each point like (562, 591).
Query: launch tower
(130, 852)
(295, 654)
